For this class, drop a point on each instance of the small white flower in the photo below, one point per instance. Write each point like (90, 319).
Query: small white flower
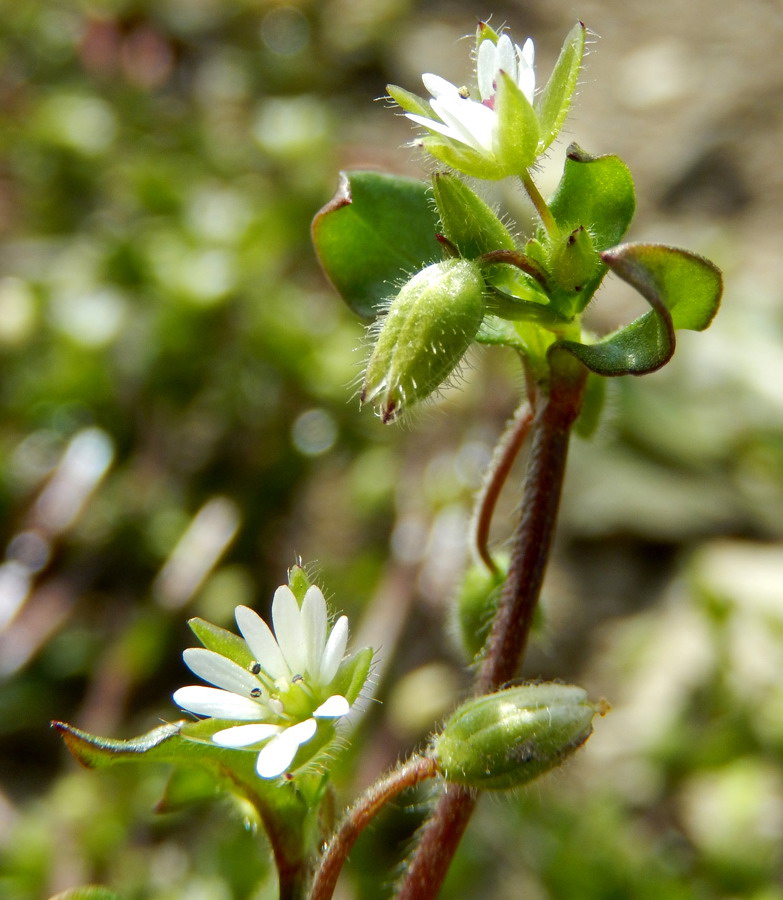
(285, 691)
(472, 122)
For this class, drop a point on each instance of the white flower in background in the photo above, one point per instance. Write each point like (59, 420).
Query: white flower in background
(285, 691)
(472, 122)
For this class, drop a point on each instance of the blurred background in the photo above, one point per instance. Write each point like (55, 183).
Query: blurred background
(179, 425)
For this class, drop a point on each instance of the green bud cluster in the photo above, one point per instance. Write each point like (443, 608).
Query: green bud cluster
(507, 739)
(424, 335)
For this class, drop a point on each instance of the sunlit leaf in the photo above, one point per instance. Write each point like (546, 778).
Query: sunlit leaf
(684, 290)
(376, 231)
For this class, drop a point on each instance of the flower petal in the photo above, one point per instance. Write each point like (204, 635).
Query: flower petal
(314, 628)
(279, 753)
(289, 631)
(485, 69)
(335, 706)
(506, 57)
(439, 87)
(204, 701)
(474, 122)
(335, 650)
(218, 670)
(262, 643)
(245, 735)
(434, 125)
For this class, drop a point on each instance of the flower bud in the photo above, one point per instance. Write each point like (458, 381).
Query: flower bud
(424, 335)
(573, 260)
(506, 739)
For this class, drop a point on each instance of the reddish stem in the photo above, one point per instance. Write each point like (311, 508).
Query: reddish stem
(506, 452)
(555, 414)
(415, 770)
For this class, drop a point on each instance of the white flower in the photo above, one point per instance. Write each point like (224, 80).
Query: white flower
(285, 691)
(471, 122)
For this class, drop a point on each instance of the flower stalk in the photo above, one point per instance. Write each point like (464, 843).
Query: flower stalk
(557, 409)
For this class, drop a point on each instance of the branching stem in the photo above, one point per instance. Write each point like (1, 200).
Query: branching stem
(417, 769)
(506, 452)
(556, 410)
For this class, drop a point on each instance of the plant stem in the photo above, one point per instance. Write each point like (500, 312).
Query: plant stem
(544, 213)
(506, 452)
(556, 410)
(415, 770)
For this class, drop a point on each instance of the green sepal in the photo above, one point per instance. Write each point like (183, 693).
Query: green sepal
(485, 32)
(88, 892)
(517, 127)
(222, 641)
(363, 247)
(595, 192)
(352, 675)
(299, 582)
(463, 158)
(466, 220)
(684, 290)
(553, 103)
(408, 101)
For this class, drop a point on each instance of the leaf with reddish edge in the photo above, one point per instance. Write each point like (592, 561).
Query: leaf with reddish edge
(375, 233)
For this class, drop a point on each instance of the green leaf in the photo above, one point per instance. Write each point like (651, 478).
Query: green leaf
(376, 231)
(467, 221)
(222, 641)
(689, 285)
(553, 103)
(595, 192)
(684, 290)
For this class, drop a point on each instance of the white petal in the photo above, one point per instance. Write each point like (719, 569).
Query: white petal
(434, 125)
(244, 735)
(439, 87)
(506, 57)
(335, 650)
(314, 627)
(485, 69)
(262, 643)
(332, 708)
(529, 52)
(474, 122)
(526, 79)
(204, 701)
(218, 670)
(279, 753)
(289, 632)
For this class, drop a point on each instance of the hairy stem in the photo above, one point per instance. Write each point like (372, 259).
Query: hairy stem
(415, 770)
(557, 409)
(506, 452)
(544, 213)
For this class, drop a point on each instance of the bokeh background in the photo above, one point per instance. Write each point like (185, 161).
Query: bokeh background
(179, 425)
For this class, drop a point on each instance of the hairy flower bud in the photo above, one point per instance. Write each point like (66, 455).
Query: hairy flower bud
(424, 335)
(573, 260)
(506, 739)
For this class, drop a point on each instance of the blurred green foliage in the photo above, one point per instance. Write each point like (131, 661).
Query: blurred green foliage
(176, 428)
